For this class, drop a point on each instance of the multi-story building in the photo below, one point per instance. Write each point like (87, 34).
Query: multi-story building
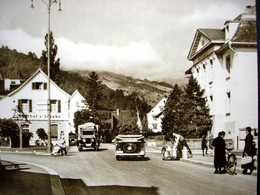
(31, 99)
(154, 117)
(225, 65)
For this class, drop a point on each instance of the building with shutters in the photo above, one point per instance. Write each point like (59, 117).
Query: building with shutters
(31, 98)
(225, 66)
(154, 117)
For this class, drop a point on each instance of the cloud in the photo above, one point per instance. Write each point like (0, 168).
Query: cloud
(131, 58)
(138, 59)
(21, 41)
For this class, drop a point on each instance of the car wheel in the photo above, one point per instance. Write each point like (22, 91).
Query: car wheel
(130, 147)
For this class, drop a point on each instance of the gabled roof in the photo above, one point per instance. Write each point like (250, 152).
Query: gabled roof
(39, 71)
(245, 34)
(212, 35)
(76, 92)
(162, 99)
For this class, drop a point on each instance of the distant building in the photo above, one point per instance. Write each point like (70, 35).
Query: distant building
(154, 117)
(77, 103)
(225, 65)
(31, 98)
(8, 84)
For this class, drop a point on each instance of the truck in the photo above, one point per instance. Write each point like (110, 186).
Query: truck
(88, 136)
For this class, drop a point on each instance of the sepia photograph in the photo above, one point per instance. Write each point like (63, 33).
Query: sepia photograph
(131, 97)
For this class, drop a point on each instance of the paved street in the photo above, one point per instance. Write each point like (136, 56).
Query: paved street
(91, 171)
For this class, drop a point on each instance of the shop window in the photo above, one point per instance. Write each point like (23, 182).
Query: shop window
(54, 131)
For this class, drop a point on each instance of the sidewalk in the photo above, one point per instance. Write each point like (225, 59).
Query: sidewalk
(199, 159)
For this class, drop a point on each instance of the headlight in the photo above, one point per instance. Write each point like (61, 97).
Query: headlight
(84, 140)
(92, 140)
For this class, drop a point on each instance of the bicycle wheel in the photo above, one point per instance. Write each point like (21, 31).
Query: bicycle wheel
(231, 164)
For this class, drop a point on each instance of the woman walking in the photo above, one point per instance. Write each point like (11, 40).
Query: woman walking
(249, 150)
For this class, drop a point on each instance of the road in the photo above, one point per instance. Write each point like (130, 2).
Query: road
(151, 174)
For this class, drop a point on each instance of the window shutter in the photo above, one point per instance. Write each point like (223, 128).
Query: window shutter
(33, 85)
(59, 106)
(30, 105)
(45, 86)
(20, 108)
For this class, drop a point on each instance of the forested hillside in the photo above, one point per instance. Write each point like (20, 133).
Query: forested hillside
(15, 65)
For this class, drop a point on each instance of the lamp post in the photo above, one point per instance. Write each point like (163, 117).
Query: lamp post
(49, 3)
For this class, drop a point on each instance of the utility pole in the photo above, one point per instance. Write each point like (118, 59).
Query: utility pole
(49, 3)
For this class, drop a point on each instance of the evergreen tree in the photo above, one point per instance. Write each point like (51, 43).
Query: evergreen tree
(172, 111)
(94, 91)
(196, 120)
(54, 64)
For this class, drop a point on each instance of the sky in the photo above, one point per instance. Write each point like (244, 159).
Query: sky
(145, 39)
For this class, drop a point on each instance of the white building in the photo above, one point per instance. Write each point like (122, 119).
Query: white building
(77, 103)
(154, 117)
(225, 65)
(31, 98)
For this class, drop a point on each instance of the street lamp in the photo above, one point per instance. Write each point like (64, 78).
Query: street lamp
(49, 3)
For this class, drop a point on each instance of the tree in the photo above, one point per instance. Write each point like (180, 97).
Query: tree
(8, 128)
(186, 112)
(42, 134)
(54, 64)
(94, 90)
(196, 118)
(172, 111)
(81, 117)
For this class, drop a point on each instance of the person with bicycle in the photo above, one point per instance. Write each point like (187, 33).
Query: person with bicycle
(220, 153)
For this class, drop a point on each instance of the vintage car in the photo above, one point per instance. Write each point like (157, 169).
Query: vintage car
(129, 146)
(88, 136)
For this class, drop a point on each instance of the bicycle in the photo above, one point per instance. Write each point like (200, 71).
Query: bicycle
(231, 162)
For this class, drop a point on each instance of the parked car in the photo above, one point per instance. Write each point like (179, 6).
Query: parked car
(88, 136)
(129, 146)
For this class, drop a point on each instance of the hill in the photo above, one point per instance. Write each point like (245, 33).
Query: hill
(15, 64)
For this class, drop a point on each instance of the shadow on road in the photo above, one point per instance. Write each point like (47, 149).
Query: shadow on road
(134, 159)
(15, 181)
(93, 150)
(77, 186)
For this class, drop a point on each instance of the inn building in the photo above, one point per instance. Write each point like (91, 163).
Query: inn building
(31, 98)
(225, 66)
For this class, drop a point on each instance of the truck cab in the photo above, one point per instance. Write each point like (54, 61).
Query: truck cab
(88, 136)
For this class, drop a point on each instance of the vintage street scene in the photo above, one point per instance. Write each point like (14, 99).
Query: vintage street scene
(129, 97)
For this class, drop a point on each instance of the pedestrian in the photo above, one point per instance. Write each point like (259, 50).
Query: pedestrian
(249, 150)
(220, 153)
(183, 143)
(62, 144)
(204, 145)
